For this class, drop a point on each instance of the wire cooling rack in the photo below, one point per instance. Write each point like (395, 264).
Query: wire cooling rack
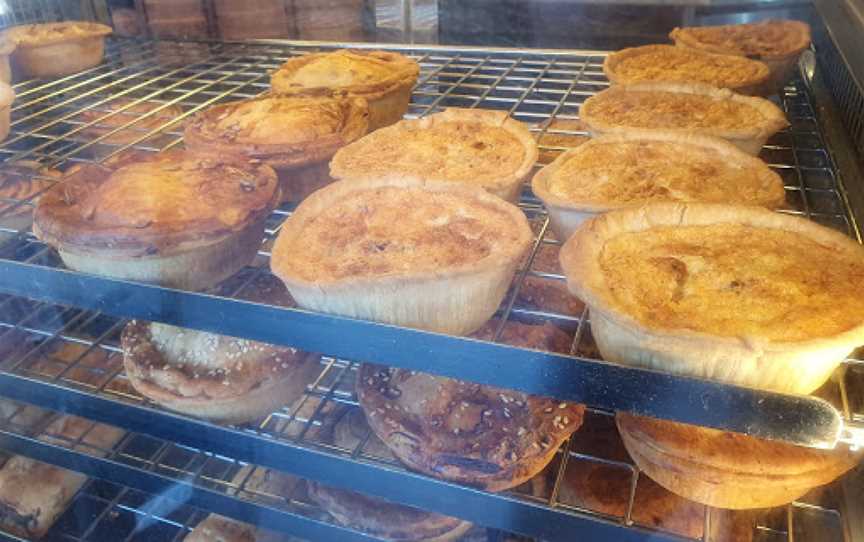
(53, 124)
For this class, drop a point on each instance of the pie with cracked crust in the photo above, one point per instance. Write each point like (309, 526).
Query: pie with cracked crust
(745, 121)
(727, 470)
(777, 43)
(214, 376)
(372, 515)
(177, 218)
(52, 49)
(478, 435)
(638, 167)
(295, 135)
(474, 146)
(723, 292)
(429, 255)
(385, 79)
(670, 64)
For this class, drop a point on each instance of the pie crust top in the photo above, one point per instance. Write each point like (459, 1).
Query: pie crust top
(283, 129)
(397, 227)
(681, 107)
(628, 169)
(107, 118)
(363, 73)
(765, 39)
(35, 35)
(155, 204)
(475, 146)
(727, 271)
(651, 63)
(733, 453)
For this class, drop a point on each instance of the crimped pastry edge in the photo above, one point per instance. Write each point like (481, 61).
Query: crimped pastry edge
(507, 187)
(610, 66)
(683, 37)
(792, 367)
(455, 301)
(749, 140)
(566, 215)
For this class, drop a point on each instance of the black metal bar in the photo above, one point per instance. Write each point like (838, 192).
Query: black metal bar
(180, 491)
(797, 419)
(493, 510)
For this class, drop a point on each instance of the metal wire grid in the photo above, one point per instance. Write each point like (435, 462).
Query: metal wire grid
(543, 90)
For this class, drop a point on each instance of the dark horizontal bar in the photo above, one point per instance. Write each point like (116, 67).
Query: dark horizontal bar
(800, 420)
(167, 487)
(490, 510)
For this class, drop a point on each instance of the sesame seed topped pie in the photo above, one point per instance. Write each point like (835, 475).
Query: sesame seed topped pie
(667, 63)
(481, 147)
(430, 255)
(176, 218)
(746, 122)
(296, 135)
(777, 43)
(383, 78)
(214, 376)
(720, 292)
(637, 167)
(478, 435)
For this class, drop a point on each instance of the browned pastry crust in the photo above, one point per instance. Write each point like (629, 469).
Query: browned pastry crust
(719, 292)
(436, 256)
(383, 78)
(478, 435)
(109, 117)
(296, 135)
(51, 49)
(22, 182)
(474, 146)
(214, 376)
(727, 470)
(768, 39)
(666, 63)
(687, 108)
(129, 221)
(34, 494)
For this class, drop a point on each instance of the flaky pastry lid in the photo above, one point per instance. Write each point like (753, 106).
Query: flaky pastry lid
(698, 67)
(365, 157)
(284, 130)
(772, 118)
(737, 454)
(37, 35)
(290, 263)
(157, 204)
(586, 279)
(770, 39)
(369, 74)
(765, 187)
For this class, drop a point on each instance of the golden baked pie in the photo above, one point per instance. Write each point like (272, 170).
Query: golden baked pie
(109, 122)
(34, 494)
(777, 43)
(727, 470)
(177, 218)
(637, 167)
(383, 78)
(52, 49)
(473, 146)
(7, 96)
(371, 515)
(296, 135)
(429, 255)
(670, 64)
(478, 435)
(21, 184)
(214, 376)
(746, 122)
(723, 292)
